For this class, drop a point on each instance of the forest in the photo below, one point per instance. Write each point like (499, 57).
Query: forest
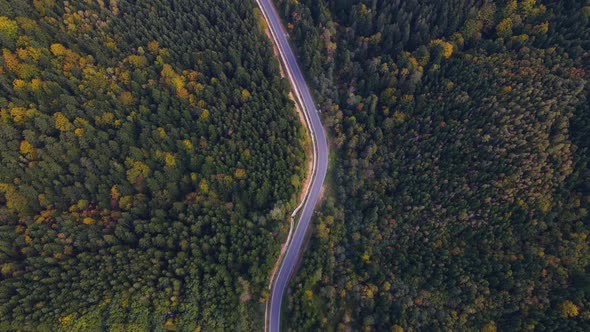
(459, 195)
(149, 160)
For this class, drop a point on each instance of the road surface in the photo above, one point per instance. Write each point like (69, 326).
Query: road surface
(320, 160)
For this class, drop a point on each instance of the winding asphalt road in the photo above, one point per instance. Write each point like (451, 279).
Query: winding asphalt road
(320, 161)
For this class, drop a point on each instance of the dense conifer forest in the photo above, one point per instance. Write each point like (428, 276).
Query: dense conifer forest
(149, 158)
(460, 186)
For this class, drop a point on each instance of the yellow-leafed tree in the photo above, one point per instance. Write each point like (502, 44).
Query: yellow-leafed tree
(61, 122)
(137, 170)
(569, 309)
(8, 28)
(57, 49)
(27, 149)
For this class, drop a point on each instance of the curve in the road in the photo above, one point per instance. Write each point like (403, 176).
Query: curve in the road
(320, 148)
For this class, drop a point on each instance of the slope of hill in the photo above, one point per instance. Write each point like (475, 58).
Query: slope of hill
(461, 186)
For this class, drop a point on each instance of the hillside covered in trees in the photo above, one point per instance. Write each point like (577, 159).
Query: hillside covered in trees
(149, 156)
(460, 193)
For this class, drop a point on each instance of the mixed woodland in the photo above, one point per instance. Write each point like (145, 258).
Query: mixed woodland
(149, 159)
(459, 190)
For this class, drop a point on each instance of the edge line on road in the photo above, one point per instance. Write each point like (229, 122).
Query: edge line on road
(299, 99)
